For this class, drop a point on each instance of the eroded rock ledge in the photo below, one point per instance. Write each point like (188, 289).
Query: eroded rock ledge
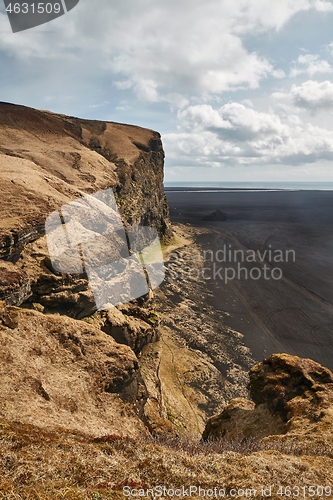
(292, 397)
(15, 287)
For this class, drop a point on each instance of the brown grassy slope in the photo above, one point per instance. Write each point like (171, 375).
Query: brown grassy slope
(57, 372)
(36, 464)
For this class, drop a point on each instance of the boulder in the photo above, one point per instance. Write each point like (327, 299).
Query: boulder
(6, 319)
(240, 419)
(129, 330)
(290, 395)
(281, 378)
(218, 215)
(14, 284)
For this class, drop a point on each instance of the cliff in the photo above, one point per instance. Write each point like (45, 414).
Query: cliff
(93, 402)
(48, 160)
(56, 369)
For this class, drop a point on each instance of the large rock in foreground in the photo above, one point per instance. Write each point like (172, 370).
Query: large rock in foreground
(281, 378)
(291, 396)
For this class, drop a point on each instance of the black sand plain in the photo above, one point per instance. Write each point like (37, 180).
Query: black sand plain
(293, 314)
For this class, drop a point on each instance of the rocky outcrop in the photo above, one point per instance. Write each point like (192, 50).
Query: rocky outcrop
(281, 378)
(291, 397)
(218, 215)
(14, 284)
(129, 330)
(6, 319)
(53, 292)
(240, 419)
(131, 324)
(61, 372)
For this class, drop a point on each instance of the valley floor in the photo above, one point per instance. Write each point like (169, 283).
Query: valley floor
(292, 314)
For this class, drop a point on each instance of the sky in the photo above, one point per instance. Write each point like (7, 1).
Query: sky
(240, 90)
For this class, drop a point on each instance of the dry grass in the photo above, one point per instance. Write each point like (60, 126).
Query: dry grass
(37, 464)
(285, 444)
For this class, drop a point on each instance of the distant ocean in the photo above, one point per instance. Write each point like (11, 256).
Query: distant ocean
(250, 186)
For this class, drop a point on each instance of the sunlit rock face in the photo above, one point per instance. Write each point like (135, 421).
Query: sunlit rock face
(291, 396)
(49, 160)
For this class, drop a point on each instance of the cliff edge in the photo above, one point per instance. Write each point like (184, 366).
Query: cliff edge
(48, 160)
(62, 363)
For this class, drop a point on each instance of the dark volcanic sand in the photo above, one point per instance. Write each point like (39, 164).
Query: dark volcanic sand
(293, 314)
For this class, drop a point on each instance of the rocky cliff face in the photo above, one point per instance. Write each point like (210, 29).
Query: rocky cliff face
(47, 161)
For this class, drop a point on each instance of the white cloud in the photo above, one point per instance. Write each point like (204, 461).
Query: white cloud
(313, 95)
(146, 89)
(123, 84)
(262, 15)
(189, 48)
(248, 103)
(181, 53)
(235, 134)
(329, 47)
(280, 95)
(100, 105)
(191, 62)
(324, 6)
(233, 120)
(176, 100)
(310, 64)
(278, 73)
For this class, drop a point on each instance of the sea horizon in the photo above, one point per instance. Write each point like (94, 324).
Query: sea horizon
(250, 186)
